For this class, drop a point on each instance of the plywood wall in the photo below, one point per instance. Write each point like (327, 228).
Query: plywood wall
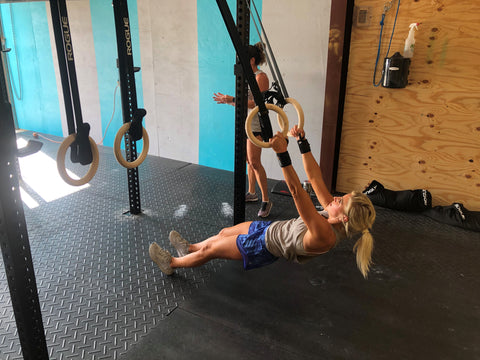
(426, 135)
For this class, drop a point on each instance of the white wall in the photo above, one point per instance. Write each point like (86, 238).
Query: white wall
(168, 42)
(298, 34)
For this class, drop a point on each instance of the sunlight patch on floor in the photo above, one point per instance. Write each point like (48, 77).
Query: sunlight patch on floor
(39, 172)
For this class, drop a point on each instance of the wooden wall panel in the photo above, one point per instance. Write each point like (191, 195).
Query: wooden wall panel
(426, 135)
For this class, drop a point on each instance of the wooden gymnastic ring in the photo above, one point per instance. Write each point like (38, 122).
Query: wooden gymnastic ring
(62, 150)
(298, 108)
(118, 151)
(281, 118)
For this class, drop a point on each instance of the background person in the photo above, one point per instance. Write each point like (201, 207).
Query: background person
(255, 169)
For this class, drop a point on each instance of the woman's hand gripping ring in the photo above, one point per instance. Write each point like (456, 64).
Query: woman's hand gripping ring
(281, 118)
(118, 152)
(62, 150)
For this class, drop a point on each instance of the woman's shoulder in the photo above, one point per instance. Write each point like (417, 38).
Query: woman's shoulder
(319, 244)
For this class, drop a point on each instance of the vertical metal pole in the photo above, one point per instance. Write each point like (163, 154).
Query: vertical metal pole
(17, 257)
(242, 55)
(128, 94)
(62, 65)
(241, 101)
(70, 60)
(81, 150)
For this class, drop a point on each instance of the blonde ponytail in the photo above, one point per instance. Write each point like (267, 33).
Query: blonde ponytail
(361, 216)
(363, 248)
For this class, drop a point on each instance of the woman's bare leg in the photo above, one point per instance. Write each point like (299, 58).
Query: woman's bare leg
(254, 154)
(222, 248)
(252, 179)
(235, 230)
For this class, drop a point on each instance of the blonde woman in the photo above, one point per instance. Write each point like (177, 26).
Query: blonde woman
(260, 243)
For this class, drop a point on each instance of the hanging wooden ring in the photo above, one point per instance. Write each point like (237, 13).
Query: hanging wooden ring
(298, 108)
(118, 151)
(282, 122)
(62, 150)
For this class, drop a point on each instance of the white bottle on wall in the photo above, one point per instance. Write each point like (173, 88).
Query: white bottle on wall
(410, 41)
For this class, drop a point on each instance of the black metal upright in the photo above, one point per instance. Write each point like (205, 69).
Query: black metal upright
(239, 35)
(129, 96)
(62, 65)
(242, 56)
(241, 102)
(81, 150)
(17, 257)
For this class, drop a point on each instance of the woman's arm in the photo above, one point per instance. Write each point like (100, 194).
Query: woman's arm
(313, 171)
(220, 98)
(320, 236)
(262, 81)
(315, 176)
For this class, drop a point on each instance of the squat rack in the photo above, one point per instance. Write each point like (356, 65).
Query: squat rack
(14, 240)
(13, 233)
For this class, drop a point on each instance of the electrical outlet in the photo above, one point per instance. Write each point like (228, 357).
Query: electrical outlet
(362, 16)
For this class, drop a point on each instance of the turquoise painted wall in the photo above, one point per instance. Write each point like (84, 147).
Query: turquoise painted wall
(216, 59)
(37, 107)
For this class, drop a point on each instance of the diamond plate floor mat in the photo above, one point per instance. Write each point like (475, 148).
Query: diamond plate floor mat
(102, 298)
(99, 291)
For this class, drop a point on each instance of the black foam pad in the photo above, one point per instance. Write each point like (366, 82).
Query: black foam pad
(456, 215)
(404, 200)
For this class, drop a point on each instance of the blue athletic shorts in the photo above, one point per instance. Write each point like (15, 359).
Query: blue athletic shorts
(252, 246)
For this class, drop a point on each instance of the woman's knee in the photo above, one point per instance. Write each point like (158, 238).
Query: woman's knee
(256, 164)
(223, 232)
(206, 250)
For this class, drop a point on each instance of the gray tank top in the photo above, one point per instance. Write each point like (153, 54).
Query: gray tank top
(285, 239)
(255, 121)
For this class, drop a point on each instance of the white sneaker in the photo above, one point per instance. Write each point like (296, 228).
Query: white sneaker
(178, 243)
(161, 257)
